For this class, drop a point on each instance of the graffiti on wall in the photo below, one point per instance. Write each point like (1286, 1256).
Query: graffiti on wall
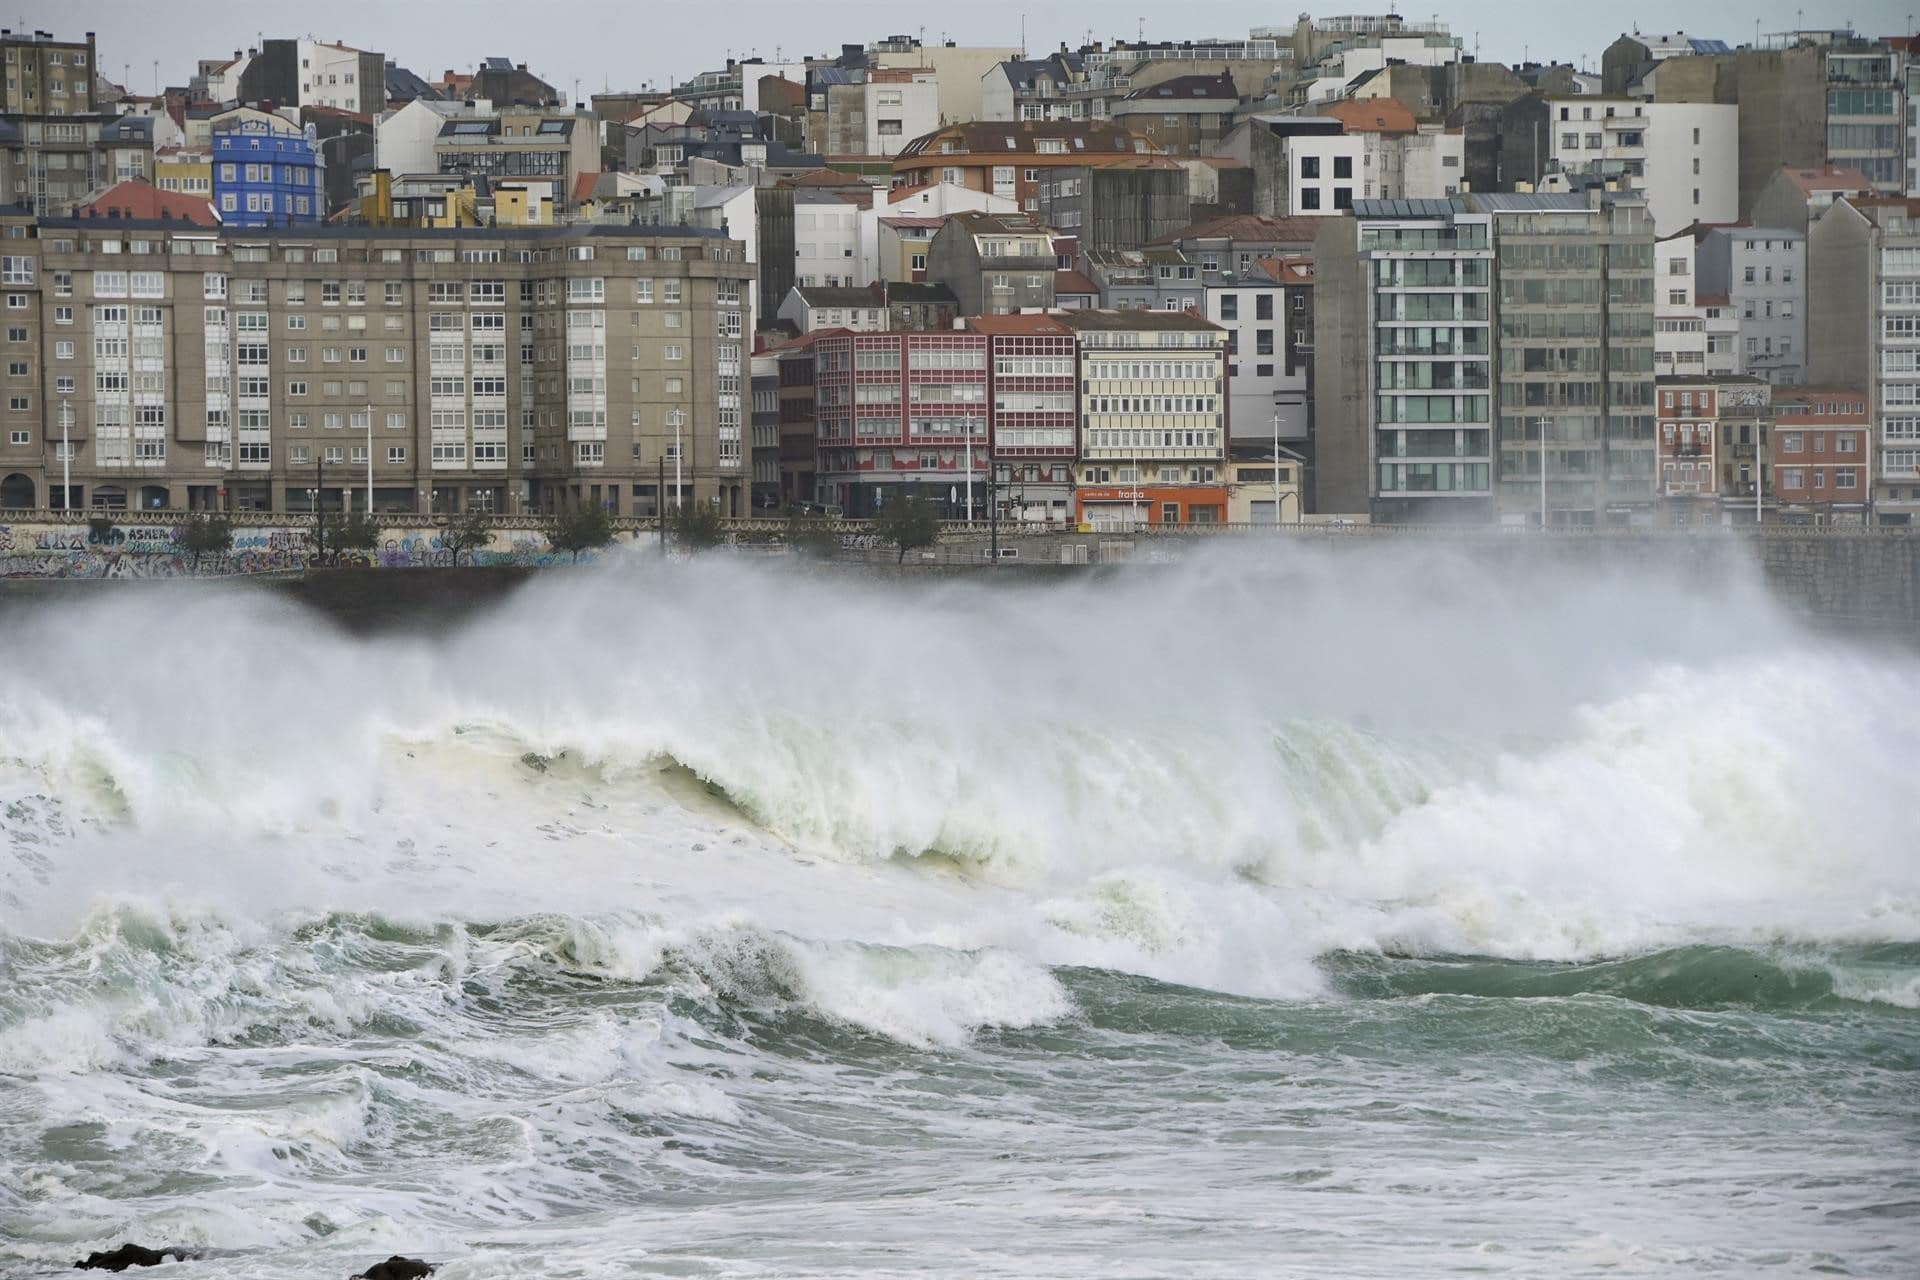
(149, 551)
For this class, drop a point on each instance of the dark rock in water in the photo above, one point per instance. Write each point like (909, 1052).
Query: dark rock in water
(129, 1255)
(397, 1268)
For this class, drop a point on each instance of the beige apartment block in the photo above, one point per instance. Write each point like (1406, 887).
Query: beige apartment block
(512, 370)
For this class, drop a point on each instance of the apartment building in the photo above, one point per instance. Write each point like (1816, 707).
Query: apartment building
(1036, 89)
(1574, 309)
(1684, 157)
(1156, 279)
(814, 308)
(266, 172)
(1822, 455)
(1115, 208)
(882, 112)
(764, 420)
(1265, 313)
(1863, 321)
(994, 264)
(799, 453)
(1687, 446)
(901, 414)
(1008, 158)
(1153, 413)
(270, 369)
(47, 77)
(1237, 243)
(827, 242)
(543, 145)
(1034, 418)
(1867, 113)
(1682, 343)
(1762, 272)
(185, 171)
(1403, 364)
(51, 165)
(1187, 115)
(304, 72)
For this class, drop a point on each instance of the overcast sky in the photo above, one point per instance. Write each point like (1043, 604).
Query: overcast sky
(625, 45)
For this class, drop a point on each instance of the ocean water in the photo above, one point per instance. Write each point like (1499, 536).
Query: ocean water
(1319, 914)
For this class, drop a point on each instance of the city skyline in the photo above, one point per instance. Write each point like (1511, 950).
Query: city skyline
(686, 43)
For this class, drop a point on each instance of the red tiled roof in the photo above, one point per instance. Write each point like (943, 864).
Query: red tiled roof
(140, 200)
(1295, 269)
(1828, 178)
(933, 223)
(1072, 282)
(1372, 115)
(583, 185)
(1712, 300)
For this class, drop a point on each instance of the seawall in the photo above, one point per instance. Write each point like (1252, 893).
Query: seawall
(1863, 582)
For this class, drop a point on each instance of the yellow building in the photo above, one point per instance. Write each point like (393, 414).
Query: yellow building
(450, 201)
(1250, 491)
(184, 170)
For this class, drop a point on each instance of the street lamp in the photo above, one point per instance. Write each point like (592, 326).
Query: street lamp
(1276, 469)
(1542, 422)
(66, 456)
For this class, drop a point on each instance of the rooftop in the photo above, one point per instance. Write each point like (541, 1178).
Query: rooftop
(1249, 227)
(1188, 87)
(1828, 178)
(1384, 209)
(1022, 137)
(140, 201)
(1018, 326)
(1373, 115)
(1069, 283)
(911, 292)
(1141, 320)
(975, 223)
(814, 295)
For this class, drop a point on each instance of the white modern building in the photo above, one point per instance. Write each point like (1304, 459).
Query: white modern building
(828, 247)
(1269, 365)
(1339, 69)
(1684, 157)
(403, 139)
(329, 75)
(1694, 332)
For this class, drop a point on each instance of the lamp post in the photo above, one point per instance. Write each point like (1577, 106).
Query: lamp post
(369, 459)
(1276, 469)
(970, 470)
(1542, 423)
(677, 490)
(66, 456)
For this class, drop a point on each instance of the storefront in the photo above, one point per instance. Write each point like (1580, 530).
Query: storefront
(1113, 507)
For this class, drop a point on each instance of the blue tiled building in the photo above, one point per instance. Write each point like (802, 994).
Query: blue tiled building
(266, 174)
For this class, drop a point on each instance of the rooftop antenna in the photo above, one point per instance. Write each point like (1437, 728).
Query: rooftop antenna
(1023, 35)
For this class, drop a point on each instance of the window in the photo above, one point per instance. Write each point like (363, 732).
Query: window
(396, 454)
(1310, 198)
